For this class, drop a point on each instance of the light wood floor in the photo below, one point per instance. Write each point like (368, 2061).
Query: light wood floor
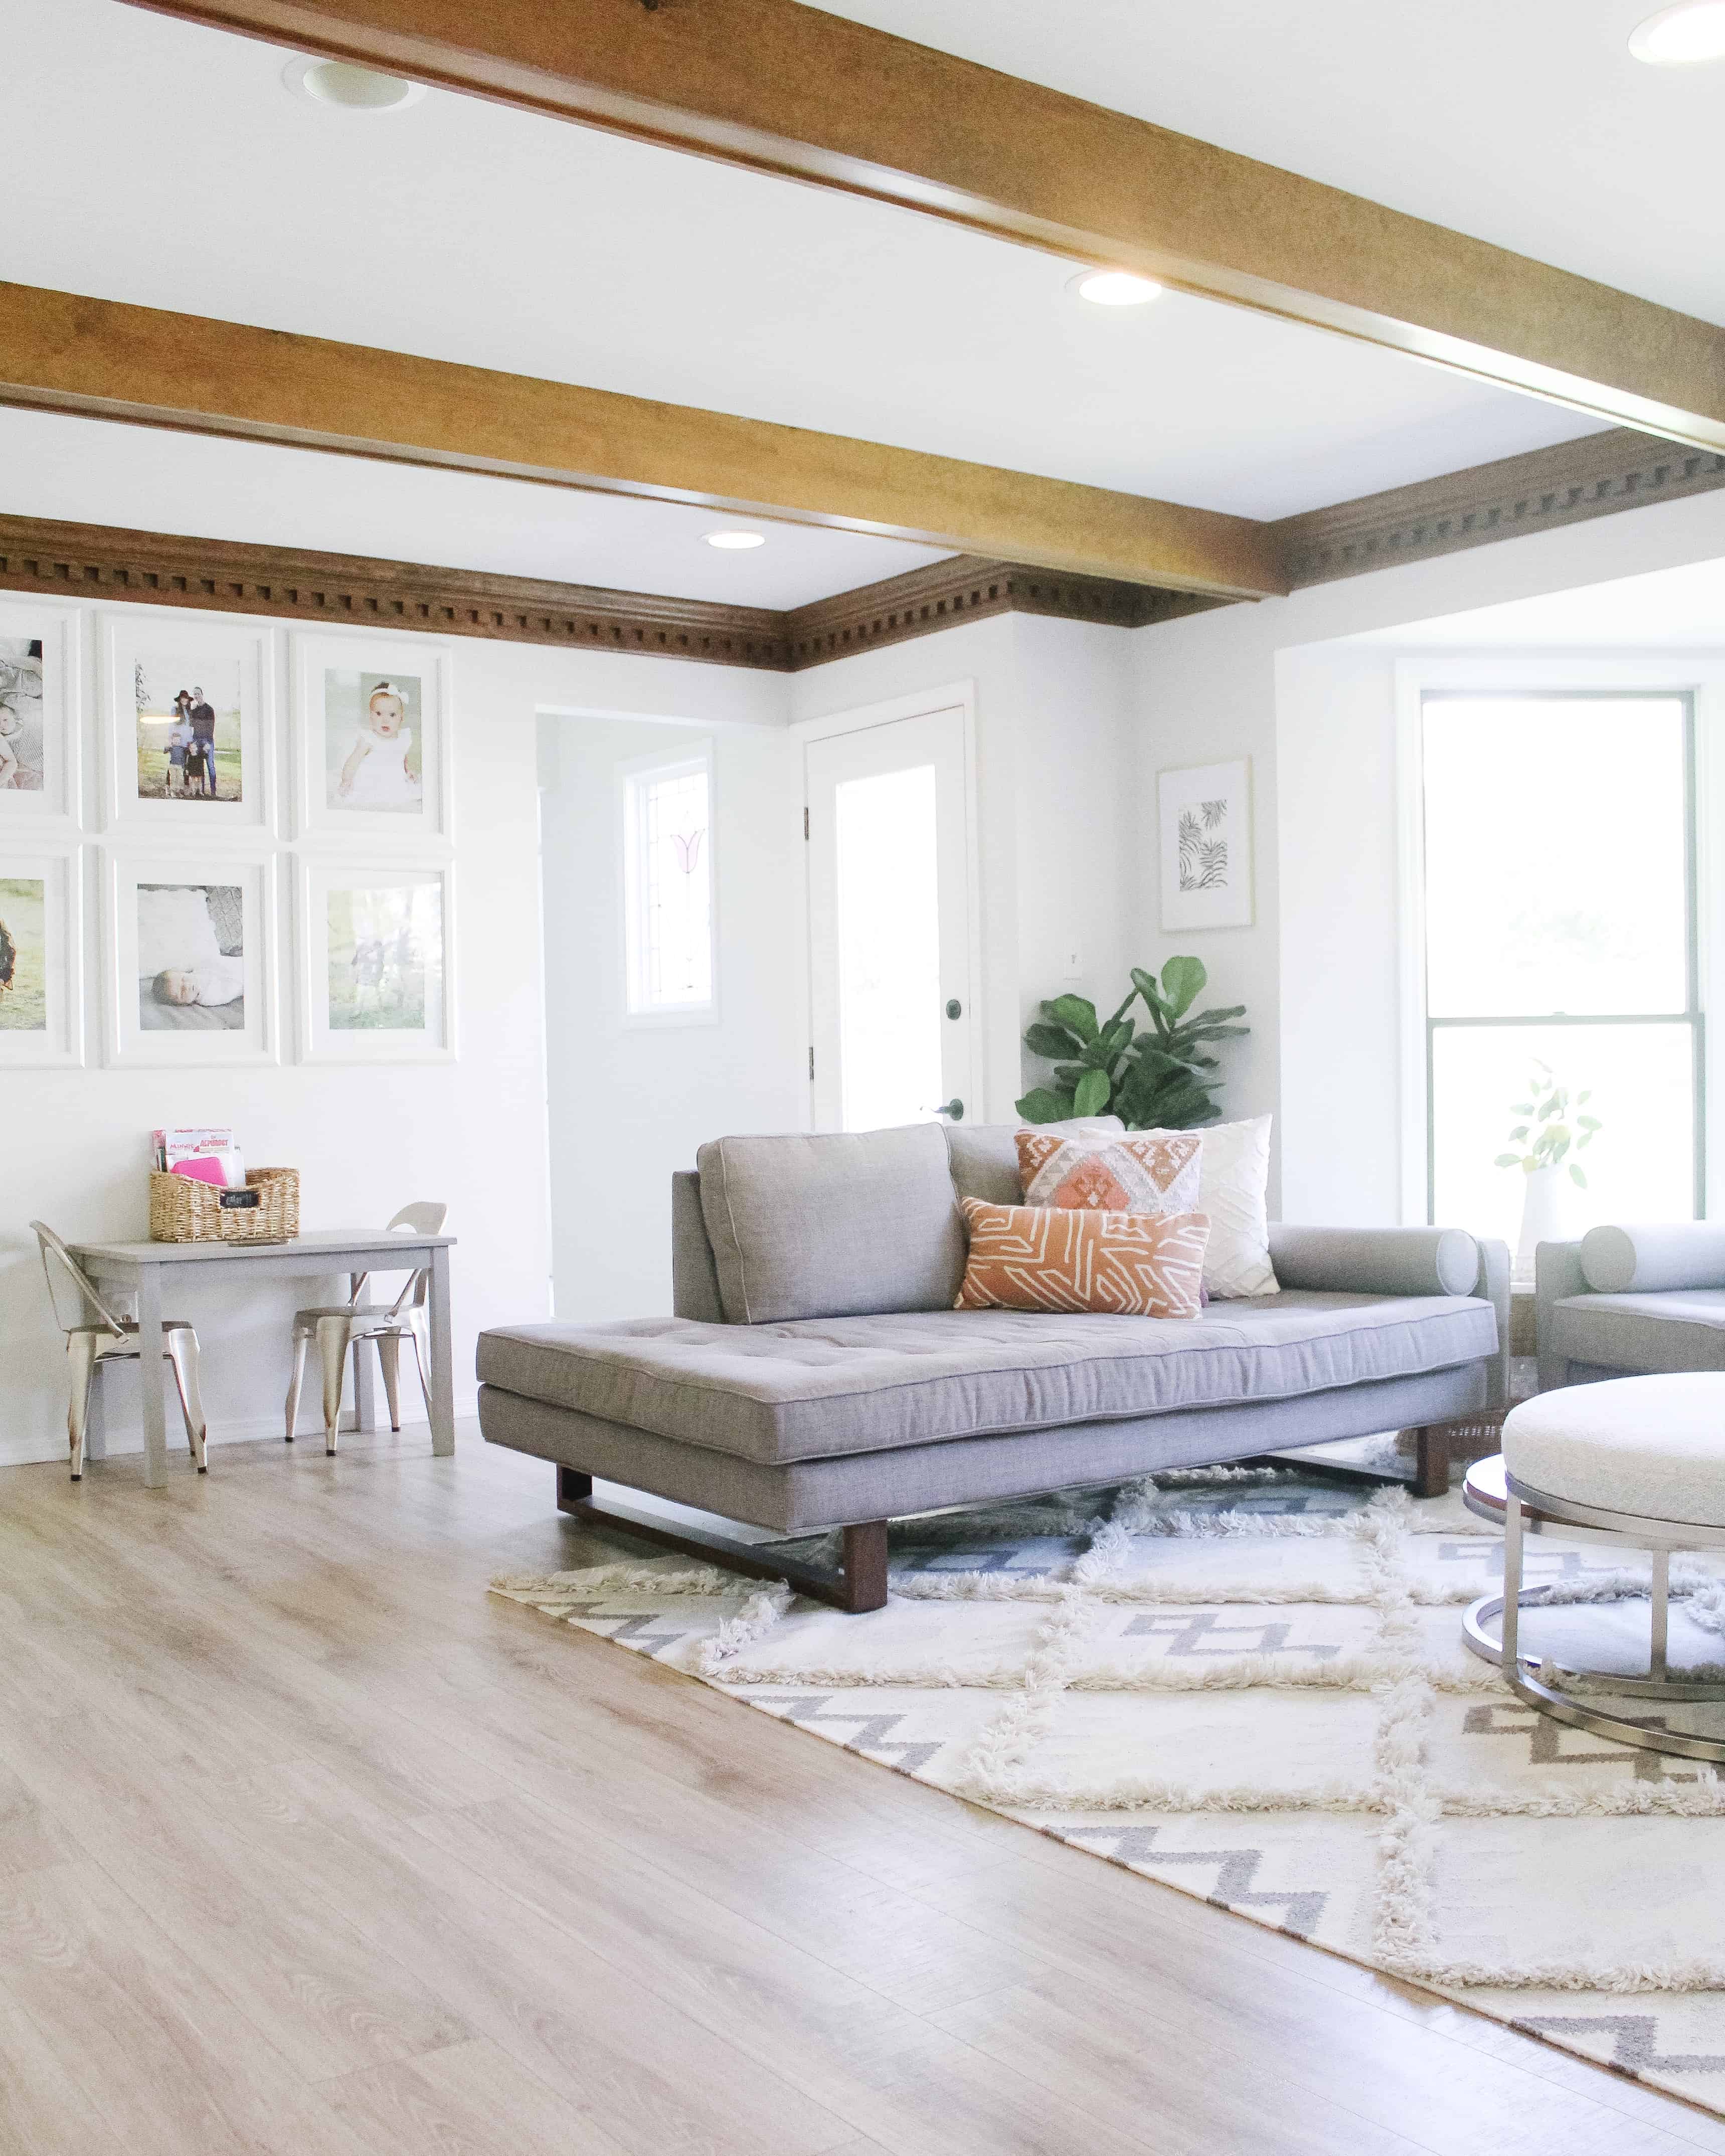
(308, 1846)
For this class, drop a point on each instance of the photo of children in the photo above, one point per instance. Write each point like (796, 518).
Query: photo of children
(385, 957)
(21, 751)
(373, 740)
(24, 955)
(188, 728)
(191, 958)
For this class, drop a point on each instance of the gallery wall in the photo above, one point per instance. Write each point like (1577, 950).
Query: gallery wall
(366, 1137)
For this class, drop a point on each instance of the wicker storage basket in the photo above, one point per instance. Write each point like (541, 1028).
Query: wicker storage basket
(184, 1210)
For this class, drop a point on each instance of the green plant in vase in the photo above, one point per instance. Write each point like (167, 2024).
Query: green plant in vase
(1550, 1132)
(1156, 1077)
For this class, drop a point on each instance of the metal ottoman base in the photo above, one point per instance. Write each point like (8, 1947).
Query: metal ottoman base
(1492, 1493)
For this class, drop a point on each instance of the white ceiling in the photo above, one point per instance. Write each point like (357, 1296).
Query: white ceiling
(1667, 609)
(149, 161)
(145, 479)
(1522, 122)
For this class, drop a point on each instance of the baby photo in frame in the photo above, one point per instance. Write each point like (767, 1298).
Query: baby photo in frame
(372, 747)
(189, 726)
(41, 956)
(39, 650)
(377, 972)
(191, 948)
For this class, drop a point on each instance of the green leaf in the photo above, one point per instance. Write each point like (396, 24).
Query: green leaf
(1039, 1106)
(1067, 1075)
(1587, 1095)
(1183, 981)
(1589, 1123)
(1576, 1175)
(1508, 1160)
(1521, 1107)
(1051, 1040)
(1091, 1095)
(1075, 1012)
(1519, 1131)
(1531, 1163)
(1117, 1038)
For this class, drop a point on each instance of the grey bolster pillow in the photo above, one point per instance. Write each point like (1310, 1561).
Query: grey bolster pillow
(1376, 1261)
(1645, 1261)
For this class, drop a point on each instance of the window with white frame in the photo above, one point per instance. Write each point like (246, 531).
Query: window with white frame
(1562, 1026)
(668, 887)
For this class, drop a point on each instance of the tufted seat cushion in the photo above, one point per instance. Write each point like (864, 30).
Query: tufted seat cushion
(1652, 1446)
(817, 1387)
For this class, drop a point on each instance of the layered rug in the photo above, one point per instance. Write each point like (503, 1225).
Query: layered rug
(1251, 1684)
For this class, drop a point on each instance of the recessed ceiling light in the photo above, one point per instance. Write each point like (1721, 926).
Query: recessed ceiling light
(1682, 37)
(736, 541)
(1115, 288)
(351, 89)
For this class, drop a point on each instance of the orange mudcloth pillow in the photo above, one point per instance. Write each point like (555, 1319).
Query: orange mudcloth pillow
(1070, 1258)
(1119, 1172)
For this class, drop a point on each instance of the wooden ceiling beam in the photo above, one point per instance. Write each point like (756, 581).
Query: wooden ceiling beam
(784, 88)
(105, 360)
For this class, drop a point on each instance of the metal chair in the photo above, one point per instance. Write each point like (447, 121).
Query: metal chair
(110, 1337)
(337, 1327)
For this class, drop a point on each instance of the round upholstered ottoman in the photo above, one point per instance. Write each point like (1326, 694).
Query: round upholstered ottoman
(1635, 1462)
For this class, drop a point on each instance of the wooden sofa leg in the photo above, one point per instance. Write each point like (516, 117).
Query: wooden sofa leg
(864, 1566)
(1431, 1460)
(573, 1488)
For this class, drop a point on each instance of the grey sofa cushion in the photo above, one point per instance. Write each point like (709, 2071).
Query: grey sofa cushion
(1401, 1261)
(817, 1388)
(985, 1156)
(1680, 1331)
(835, 1225)
(1677, 1254)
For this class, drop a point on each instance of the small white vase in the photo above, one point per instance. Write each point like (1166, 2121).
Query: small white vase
(1545, 1213)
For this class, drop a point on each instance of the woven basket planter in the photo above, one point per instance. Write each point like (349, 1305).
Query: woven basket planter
(185, 1211)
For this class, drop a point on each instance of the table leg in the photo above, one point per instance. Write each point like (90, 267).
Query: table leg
(443, 1376)
(1661, 1588)
(365, 1411)
(1512, 1582)
(150, 1375)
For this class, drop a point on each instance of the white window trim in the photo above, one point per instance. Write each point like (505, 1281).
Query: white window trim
(1699, 673)
(630, 775)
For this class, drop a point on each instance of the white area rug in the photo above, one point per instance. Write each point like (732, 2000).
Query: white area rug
(1250, 1684)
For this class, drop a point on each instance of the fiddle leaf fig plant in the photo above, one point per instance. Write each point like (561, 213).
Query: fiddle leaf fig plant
(1551, 1127)
(1154, 1077)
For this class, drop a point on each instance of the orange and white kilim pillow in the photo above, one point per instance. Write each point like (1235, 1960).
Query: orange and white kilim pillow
(1115, 1173)
(1068, 1258)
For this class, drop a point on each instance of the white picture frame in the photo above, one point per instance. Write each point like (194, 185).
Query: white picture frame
(149, 659)
(397, 797)
(143, 941)
(42, 691)
(41, 954)
(354, 973)
(1205, 817)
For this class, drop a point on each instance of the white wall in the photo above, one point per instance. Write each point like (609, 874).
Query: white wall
(1311, 969)
(631, 1102)
(472, 1132)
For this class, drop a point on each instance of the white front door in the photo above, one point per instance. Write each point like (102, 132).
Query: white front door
(889, 924)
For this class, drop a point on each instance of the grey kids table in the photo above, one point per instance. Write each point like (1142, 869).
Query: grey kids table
(141, 1266)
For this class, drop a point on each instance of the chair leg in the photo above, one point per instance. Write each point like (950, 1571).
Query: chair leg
(81, 1359)
(332, 1348)
(302, 1348)
(389, 1360)
(182, 1353)
(419, 1339)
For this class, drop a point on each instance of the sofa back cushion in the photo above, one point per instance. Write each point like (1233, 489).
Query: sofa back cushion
(985, 1156)
(838, 1224)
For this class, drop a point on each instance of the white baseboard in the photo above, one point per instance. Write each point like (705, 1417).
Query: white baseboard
(28, 1451)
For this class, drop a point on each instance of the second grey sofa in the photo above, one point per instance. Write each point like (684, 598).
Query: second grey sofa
(1630, 1301)
(816, 1374)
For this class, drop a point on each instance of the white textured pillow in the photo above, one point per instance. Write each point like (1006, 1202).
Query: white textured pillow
(1234, 1187)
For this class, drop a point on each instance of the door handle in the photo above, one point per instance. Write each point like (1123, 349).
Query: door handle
(954, 1108)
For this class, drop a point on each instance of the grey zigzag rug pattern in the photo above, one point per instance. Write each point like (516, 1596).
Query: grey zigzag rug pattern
(1250, 1684)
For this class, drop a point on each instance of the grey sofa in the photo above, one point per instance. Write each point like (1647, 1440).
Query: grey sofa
(1623, 1301)
(815, 1373)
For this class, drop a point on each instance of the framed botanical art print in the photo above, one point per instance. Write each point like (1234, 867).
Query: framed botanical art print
(41, 955)
(1205, 815)
(191, 948)
(377, 956)
(189, 728)
(40, 649)
(372, 745)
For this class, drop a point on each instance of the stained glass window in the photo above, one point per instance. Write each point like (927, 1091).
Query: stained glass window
(668, 871)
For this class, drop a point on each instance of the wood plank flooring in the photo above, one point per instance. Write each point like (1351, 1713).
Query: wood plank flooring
(309, 1847)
